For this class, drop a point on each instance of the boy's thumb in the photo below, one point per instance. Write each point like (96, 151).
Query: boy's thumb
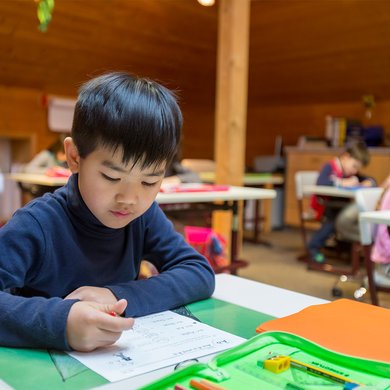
(119, 307)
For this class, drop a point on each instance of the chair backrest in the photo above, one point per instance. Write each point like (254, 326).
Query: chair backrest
(367, 200)
(304, 178)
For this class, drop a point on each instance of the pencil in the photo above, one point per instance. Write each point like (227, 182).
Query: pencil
(179, 387)
(204, 384)
(320, 372)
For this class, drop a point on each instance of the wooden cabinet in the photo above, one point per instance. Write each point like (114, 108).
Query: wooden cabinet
(299, 159)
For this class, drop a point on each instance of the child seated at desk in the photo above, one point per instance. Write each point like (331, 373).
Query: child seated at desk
(69, 261)
(49, 161)
(53, 156)
(381, 249)
(176, 173)
(342, 171)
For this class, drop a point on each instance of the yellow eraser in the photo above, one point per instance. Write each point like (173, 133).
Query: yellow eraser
(277, 364)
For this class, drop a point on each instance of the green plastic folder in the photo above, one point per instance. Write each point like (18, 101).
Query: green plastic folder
(242, 367)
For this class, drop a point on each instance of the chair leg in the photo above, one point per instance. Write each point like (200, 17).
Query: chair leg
(355, 258)
(370, 275)
(305, 256)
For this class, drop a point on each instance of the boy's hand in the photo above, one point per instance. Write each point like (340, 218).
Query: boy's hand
(350, 181)
(93, 294)
(91, 325)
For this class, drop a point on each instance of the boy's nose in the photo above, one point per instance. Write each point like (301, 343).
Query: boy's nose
(128, 196)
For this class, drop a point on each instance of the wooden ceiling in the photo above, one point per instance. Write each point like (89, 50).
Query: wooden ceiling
(300, 50)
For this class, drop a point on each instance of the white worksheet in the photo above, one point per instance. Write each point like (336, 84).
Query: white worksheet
(156, 341)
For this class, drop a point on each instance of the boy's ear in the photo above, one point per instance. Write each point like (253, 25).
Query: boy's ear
(72, 155)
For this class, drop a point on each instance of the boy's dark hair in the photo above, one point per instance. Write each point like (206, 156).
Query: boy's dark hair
(359, 151)
(122, 110)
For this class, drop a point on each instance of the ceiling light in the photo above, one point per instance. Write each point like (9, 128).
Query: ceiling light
(206, 3)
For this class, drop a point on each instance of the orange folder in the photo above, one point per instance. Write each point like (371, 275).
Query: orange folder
(345, 326)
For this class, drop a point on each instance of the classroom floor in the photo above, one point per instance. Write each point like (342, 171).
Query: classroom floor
(278, 265)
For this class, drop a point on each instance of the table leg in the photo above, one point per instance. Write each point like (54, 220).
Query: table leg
(235, 262)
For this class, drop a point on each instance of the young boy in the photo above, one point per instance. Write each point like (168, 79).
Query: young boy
(73, 257)
(342, 171)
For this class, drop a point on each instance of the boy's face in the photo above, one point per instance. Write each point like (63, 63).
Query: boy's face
(114, 192)
(351, 166)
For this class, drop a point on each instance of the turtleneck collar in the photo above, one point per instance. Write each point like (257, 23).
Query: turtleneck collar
(80, 213)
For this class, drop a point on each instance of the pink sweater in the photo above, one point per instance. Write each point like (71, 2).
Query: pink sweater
(381, 249)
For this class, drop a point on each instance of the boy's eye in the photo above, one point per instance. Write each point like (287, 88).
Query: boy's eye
(109, 178)
(145, 183)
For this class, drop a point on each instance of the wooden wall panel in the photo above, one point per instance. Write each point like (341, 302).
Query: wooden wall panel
(198, 132)
(305, 51)
(307, 59)
(293, 120)
(23, 117)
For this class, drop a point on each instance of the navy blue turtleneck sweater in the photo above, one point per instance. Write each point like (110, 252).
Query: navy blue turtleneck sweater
(55, 244)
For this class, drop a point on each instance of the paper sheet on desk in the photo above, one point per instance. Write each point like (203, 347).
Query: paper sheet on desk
(156, 341)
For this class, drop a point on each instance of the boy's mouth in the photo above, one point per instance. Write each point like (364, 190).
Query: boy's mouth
(121, 214)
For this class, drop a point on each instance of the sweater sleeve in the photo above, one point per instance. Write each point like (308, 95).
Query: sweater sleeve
(27, 322)
(185, 275)
(362, 178)
(326, 176)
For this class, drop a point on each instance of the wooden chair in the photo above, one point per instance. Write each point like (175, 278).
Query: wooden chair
(306, 214)
(367, 237)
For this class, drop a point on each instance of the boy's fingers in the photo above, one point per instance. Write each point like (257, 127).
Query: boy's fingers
(120, 306)
(113, 309)
(115, 325)
(110, 322)
(107, 337)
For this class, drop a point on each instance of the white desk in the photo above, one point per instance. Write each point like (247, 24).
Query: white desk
(253, 295)
(275, 301)
(35, 184)
(232, 194)
(230, 199)
(262, 180)
(329, 191)
(378, 217)
(38, 179)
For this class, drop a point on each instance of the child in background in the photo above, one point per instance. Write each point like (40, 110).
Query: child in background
(342, 171)
(72, 257)
(50, 162)
(176, 173)
(53, 156)
(381, 249)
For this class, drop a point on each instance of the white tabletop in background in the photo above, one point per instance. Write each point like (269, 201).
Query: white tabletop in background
(379, 216)
(39, 179)
(329, 191)
(233, 193)
(249, 179)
